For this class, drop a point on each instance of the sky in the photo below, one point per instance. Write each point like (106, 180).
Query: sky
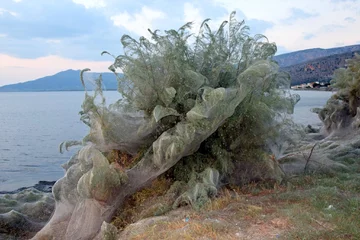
(42, 37)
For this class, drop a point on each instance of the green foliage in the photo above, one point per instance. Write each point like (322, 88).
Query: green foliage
(201, 188)
(65, 145)
(331, 202)
(341, 109)
(168, 71)
(212, 99)
(347, 81)
(187, 166)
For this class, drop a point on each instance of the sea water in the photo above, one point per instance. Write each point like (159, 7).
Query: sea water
(32, 125)
(309, 99)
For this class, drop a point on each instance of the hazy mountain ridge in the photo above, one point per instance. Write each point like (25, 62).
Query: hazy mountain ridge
(304, 66)
(68, 80)
(320, 69)
(293, 58)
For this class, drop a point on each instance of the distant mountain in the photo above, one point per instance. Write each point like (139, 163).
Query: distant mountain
(304, 66)
(68, 80)
(293, 58)
(320, 69)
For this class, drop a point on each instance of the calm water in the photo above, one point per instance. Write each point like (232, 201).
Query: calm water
(32, 125)
(309, 99)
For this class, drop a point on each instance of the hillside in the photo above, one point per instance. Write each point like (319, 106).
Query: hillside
(304, 66)
(320, 69)
(68, 80)
(293, 58)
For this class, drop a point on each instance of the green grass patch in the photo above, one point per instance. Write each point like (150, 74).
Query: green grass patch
(323, 206)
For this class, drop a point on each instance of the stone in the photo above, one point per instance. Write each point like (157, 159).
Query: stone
(23, 213)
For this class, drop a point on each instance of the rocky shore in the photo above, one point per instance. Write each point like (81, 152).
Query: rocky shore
(25, 211)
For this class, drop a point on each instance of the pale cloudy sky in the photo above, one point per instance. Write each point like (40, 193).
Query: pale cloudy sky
(42, 37)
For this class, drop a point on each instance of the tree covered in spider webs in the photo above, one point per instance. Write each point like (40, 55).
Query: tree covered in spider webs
(197, 106)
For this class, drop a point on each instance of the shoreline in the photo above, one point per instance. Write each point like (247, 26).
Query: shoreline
(42, 186)
(315, 89)
(75, 90)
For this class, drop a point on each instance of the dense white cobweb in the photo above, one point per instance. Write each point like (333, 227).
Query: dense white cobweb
(175, 96)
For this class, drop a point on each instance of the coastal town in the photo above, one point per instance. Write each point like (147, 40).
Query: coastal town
(325, 86)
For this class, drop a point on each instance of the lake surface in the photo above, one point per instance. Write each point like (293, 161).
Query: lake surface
(33, 124)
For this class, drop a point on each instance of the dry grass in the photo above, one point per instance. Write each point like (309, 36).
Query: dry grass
(124, 160)
(180, 229)
(226, 197)
(229, 216)
(313, 207)
(148, 202)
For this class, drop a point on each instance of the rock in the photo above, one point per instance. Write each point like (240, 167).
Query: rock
(24, 212)
(310, 129)
(42, 186)
(17, 224)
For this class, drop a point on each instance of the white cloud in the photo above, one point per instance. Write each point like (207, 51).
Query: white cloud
(328, 28)
(262, 9)
(139, 22)
(3, 11)
(35, 68)
(325, 21)
(196, 15)
(56, 41)
(350, 19)
(91, 3)
(192, 14)
(17, 1)
(293, 25)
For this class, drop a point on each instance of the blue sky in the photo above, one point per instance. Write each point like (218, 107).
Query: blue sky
(42, 37)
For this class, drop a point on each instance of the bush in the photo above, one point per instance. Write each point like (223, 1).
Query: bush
(176, 78)
(342, 109)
